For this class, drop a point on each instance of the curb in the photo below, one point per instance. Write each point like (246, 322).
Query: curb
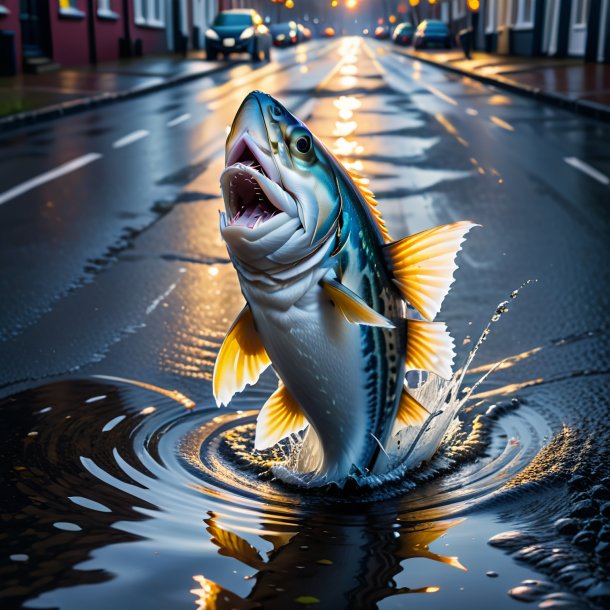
(103, 99)
(588, 108)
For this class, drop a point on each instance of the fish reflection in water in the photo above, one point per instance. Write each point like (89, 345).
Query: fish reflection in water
(351, 566)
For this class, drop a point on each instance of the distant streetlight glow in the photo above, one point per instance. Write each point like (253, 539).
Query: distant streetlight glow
(289, 4)
(474, 5)
(334, 3)
(413, 2)
(351, 3)
(392, 19)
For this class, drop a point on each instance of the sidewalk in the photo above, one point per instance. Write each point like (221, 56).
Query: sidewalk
(567, 82)
(30, 97)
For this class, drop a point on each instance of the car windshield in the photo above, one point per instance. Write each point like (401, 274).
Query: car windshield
(404, 27)
(233, 19)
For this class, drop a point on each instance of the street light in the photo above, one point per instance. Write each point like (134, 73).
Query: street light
(474, 5)
(289, 4)
(351, 3)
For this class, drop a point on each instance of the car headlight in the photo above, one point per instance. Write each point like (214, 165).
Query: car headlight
(292, 33)
(210, 33)
(280, 37)
(247, 33)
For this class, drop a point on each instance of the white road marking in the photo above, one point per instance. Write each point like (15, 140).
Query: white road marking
(130, 138)
(62, 170)
(587, 169)
(178, 120)
(441, 95)
(472, 112)
(160, 299)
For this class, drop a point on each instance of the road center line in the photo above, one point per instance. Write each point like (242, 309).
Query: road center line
(178, 120)
(587, 169)
(441, 95)
(62, 170)
(130, 138)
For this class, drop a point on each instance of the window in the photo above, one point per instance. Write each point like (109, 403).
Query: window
(459, 9)
(149, 12)
(104, 10)
(523, 13)
(490, 16)
(69, 8)
(580, 12)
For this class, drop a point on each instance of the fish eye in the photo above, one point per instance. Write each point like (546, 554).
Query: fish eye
(276, 111)
(303, 144)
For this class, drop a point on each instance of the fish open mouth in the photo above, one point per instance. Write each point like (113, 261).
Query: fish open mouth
(250, 189)
(247, 203)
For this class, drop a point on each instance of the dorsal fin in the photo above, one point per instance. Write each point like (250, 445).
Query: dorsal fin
(352, 306)
(429, 348)
(361, 184)
(280, 416)
(423, 265)
(410, 411)
(241, 359)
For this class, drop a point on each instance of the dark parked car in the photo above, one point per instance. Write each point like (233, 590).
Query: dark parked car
(284, 34)
(403, 34)
(382, 32)
(432, 33)
(238, 31)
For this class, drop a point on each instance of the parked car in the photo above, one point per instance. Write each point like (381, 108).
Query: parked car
(382, 32)
(328, 32)
(284, 34)
(238, 31)
(403, 34)
(431, 33)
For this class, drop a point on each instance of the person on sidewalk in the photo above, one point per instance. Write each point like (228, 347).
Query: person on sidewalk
(465, 37)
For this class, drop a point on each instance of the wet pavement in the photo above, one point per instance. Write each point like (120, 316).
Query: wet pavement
(117, 292)
(565, 80)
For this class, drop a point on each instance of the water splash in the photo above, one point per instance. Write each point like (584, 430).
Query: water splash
(410, 448)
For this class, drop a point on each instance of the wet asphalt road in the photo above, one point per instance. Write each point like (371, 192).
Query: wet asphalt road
(116, 268)
(87, 258)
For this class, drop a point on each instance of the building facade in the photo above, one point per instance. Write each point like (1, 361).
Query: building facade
(41, 34)
(557, 28)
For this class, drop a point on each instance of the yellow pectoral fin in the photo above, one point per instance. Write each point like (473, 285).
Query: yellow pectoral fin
(280, 416)
(352, 306)
(241, 359)
(410, 411)
(423, 265)
(429, 348)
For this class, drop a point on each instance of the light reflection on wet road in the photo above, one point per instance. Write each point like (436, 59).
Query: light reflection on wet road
(117, 269)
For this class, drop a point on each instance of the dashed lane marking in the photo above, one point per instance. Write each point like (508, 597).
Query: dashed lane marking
(587, 169)
(130, 138)
(62, 170)
(179, 119)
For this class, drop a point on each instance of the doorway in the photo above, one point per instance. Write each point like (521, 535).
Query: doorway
(35, 28)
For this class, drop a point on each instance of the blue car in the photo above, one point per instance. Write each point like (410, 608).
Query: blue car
(431, 33)
(238, 31)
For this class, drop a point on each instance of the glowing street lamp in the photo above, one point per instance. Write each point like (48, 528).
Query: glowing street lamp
(334, 3)
(474, 5)
(289, 4)
(351, 3)
(413, 2)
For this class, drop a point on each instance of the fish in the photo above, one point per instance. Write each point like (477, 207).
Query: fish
(338, 310)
